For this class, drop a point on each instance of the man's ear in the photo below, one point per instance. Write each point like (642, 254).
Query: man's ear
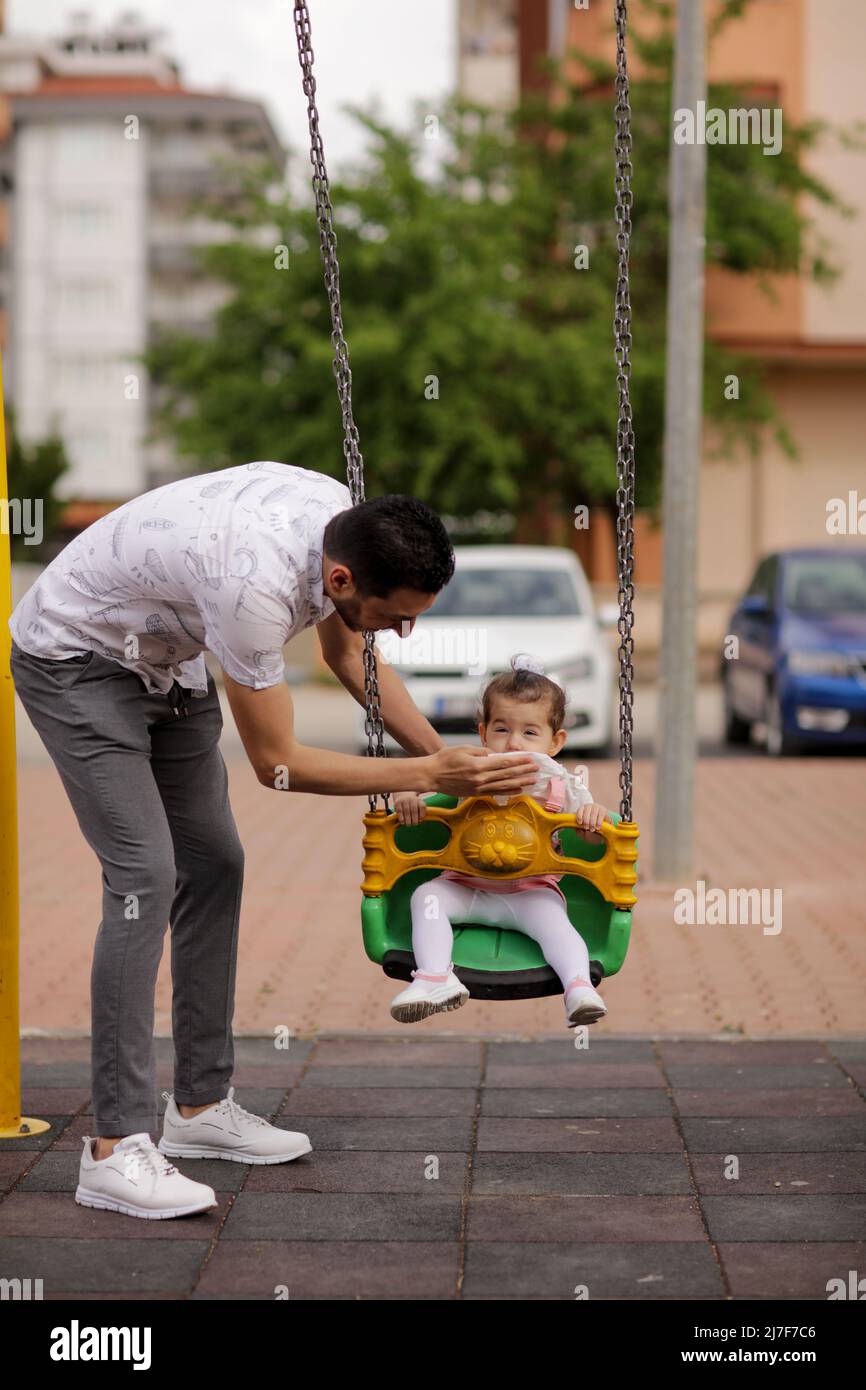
(339, 578)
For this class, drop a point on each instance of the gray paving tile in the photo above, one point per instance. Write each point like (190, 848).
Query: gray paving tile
(261, 1076)
(13, 1164)
(580, 1174)
(339, 1269)
(831, 1100)
(847, 1049)
(537, 1102)
(636, 1271)
(398, 1052)
(781, 1173)
(360, 1172)
(381, 1101)
(126, 1266)
(55, 1100)
(359, 1216)
(38, 1215)
(578, 1136)
(787, 1270)
(562, 1051)
(576, 1073)
(839, 1217)
(403, 1077)
(434, 1135)
(792, 1135)
(741, 1052)
(613, 1220)
(811, 1076)
(263, 1052)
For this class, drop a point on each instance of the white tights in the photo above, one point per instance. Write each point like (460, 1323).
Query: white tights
(537, 912)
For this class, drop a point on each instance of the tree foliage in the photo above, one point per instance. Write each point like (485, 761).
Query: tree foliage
(465, 272)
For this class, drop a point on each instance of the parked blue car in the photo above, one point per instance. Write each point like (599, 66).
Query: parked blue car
(800, 670)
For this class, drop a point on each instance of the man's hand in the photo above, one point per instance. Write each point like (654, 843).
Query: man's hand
(475, 772)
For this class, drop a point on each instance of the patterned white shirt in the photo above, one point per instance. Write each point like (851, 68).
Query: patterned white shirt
(229, 561)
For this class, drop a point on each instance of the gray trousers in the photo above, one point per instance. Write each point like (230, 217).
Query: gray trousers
(150, 792)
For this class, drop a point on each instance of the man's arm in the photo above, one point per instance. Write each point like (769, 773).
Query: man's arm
(343, 651)
(265, 722)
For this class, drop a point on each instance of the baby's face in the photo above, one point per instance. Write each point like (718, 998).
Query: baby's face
(516, 727)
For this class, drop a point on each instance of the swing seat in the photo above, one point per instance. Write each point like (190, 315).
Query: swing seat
(496, 963)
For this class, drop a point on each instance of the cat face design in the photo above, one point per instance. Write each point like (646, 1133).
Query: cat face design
(498, 839)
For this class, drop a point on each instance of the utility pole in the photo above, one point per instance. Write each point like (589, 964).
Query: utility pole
(676, 733)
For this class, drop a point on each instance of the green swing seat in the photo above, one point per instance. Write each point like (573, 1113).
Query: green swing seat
(491, 962)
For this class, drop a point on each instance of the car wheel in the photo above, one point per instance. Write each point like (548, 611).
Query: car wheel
(779, 743)
(737, 730)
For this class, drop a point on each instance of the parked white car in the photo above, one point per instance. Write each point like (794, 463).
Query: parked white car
(500, 601)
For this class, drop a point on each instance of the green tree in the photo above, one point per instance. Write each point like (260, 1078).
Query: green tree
(33, 471)
(460, 280)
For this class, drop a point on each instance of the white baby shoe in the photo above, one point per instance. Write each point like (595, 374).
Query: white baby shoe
(428, 994)
(583, 1004)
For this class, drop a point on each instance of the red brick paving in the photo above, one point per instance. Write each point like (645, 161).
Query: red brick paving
(795, 824)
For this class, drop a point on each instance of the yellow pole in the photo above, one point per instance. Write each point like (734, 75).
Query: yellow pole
(12, 1124)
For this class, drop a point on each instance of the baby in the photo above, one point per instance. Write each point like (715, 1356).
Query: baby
(522, 711)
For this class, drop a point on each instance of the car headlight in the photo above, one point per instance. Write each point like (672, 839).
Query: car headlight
(818, 664)
(578, 670)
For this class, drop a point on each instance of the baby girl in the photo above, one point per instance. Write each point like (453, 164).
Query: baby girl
(522, 711)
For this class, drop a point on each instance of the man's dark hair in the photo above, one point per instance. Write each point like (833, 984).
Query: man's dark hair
(391, 542)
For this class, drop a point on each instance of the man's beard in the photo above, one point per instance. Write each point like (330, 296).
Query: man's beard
(349, 610)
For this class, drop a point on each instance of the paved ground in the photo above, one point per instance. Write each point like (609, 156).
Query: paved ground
(479, 1170)
(555, 1168)
(792, 824)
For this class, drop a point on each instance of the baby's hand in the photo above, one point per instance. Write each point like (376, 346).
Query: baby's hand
(410, 808)
(590, 817)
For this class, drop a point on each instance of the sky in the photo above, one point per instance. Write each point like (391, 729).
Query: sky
(390, 51)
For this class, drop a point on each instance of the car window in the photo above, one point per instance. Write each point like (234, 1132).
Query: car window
(763, 580)
(508, 593)
(825, 583)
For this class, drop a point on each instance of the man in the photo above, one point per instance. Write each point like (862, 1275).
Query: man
(108, 660)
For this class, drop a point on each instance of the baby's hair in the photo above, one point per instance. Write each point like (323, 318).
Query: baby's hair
(527, 687)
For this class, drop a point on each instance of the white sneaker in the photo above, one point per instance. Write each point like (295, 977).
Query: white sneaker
(583, 1004)
(135, 1179)
(226, 1130)
(426, 996)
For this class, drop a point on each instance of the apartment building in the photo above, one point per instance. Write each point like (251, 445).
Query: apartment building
(807, 57)
(101, 152)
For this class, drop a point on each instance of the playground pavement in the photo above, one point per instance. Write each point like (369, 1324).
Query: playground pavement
(707, 1143)
(699, 1169)
(795, 825)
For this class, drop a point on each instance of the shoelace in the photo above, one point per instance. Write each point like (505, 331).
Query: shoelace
(153, 1158)
(237, 1112)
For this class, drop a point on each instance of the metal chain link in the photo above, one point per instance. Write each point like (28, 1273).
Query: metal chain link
(373, 726)
(625, 441)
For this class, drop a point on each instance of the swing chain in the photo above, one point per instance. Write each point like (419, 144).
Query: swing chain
(625, 439)
(373, 726)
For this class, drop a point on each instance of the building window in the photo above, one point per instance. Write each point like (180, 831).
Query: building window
(84, 296)
(82, 216)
